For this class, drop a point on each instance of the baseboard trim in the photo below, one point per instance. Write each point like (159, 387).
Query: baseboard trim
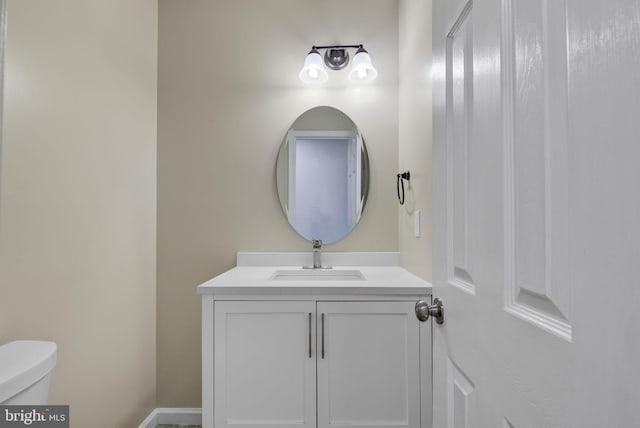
(172, 416)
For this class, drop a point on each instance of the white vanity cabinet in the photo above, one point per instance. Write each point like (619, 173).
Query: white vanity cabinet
(368, 364)
(264, 371)
(314, 355)
(270, 358)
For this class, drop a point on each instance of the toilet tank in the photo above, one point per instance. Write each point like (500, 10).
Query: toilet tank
(25, 370)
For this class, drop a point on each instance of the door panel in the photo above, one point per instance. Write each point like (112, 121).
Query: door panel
(459, 59)
(604, 231)
(534, 93)
(459, 396)
(370, 374)
(455, 218)
(550, 213)
(502, 358)
(265, 364)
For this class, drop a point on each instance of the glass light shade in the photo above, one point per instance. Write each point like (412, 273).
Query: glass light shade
(362, 70)
(313, 70)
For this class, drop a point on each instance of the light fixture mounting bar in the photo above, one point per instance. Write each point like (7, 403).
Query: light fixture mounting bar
(337, 47)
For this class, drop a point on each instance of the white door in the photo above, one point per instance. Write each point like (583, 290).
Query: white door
(537, 213)
(368, 365)
(265, 364)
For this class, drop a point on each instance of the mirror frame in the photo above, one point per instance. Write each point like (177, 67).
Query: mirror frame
(286, 146)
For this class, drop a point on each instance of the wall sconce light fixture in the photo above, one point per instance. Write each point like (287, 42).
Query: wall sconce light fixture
(337, 58)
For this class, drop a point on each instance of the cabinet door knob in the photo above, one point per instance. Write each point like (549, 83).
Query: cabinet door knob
(424, 310)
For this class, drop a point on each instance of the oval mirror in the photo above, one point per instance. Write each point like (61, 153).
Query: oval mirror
(322, 174)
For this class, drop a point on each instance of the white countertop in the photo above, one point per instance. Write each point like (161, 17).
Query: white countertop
(378, 280)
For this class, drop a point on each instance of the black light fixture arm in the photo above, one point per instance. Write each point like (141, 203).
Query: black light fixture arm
(337, 47)
(336, 57)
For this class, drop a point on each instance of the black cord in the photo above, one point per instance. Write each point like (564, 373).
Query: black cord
(400, 185)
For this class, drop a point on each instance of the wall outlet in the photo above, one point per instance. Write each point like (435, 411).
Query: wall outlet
(416, 223)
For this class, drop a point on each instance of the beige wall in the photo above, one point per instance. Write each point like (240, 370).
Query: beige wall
(228, 92)
(414, 145)
(78, 199)
(77, 178)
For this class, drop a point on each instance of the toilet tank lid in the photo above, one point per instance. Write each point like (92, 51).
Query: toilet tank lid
(23, 363)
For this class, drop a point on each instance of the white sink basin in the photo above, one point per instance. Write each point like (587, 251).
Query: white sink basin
(317, 275)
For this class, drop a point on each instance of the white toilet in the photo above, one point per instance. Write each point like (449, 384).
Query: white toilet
(25, 371)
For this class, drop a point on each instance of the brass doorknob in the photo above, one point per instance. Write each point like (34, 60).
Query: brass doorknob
(424, 310)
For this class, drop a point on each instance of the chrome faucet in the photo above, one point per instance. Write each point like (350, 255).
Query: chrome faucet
(317, 246)
(317, 256)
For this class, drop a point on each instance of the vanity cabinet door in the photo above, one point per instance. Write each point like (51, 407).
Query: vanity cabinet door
(369, 375)
(265, 364)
